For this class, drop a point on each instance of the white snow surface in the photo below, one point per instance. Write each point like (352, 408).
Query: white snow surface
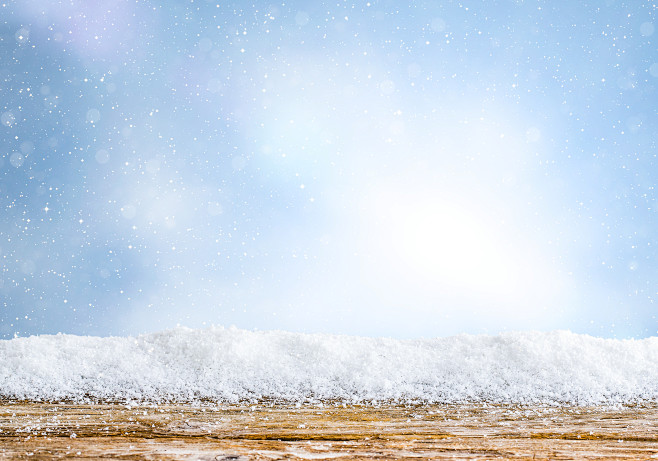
(229, 364)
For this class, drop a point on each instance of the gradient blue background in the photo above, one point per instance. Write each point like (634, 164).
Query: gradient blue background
(373, 168)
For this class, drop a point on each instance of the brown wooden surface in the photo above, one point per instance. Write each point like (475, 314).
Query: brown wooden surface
(31, 430)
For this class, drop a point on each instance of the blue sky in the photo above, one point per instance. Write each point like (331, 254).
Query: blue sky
(373, 168)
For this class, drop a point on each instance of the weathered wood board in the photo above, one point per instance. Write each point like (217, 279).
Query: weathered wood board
(266, 430)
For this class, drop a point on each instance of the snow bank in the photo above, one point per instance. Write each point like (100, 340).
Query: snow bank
(233, 364)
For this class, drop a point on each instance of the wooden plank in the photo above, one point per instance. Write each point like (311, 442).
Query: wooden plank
(268, 430)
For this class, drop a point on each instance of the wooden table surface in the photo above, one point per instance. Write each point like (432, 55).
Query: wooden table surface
(268, 430)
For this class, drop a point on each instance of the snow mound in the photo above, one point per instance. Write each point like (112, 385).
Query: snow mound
(231, 364)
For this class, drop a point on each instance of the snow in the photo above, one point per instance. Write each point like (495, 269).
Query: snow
(229, 364)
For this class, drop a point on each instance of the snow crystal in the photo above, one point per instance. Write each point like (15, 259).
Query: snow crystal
(232, 364)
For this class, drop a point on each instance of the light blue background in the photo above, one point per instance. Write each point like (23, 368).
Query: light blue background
(373, 168)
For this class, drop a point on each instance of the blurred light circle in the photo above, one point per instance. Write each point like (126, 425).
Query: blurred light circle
(7, 118)
(153, 166)
(22, 35)
(215, 85)
(438, 25)
(128, 211)
(302, 18)
(647, 29)
(387, 87)
(16, 159)
(27, 147)
(653, 69)
(215, 209)
(205, 45)
(102, 156)
(93, 115)
(414, 70)
(238, 162)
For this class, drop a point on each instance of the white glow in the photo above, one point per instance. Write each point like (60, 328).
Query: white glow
(447, 244)
(428, 248)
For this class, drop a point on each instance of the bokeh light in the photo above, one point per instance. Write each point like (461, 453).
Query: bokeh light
(373, 168)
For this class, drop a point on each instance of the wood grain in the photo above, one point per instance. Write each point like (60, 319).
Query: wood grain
(269, 430)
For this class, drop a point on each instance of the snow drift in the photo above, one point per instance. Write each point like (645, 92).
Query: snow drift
(232, 364)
